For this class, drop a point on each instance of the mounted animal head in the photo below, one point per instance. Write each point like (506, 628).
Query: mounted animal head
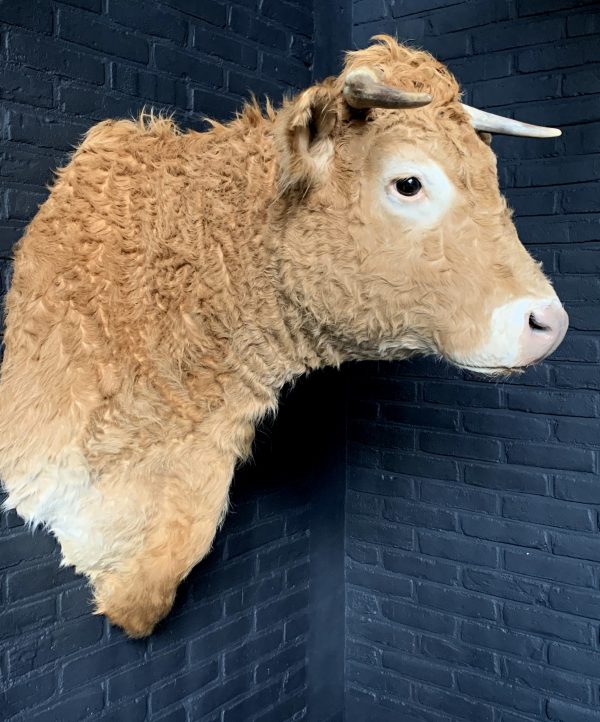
(395, 236)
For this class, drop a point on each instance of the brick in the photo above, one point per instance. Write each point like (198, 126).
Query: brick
(381, 435)
(458, 707)
(280, 609)
(210, 699)
(34, 15)
(565, 54)
(461, 395)
(183, 65)
(405, 512)
(383, 634)
(224, 47)
(379, 533)
(254, 538)
(580, 547)
(149, 19)
(132, 711)
(480, 67)
(18, 620)
(54, 644)
(558, 711)
(24, 85)
(506, 586)
(542, 678)
(296, 626)
(101, 662)
(458, 654)
(577, 488)
(184, 685)
(420, 416)
(515, 89)
(76, 602)
(575, 601)
(25, 546)
(97, 35)
(502, 639)
(505, 532)
(84, 703)
(383, 389)
(377, 482)
(513, 35)
(23, 205)
(287, 658)
(457, 601)
(28, 693)
(44, 131)
(586, 24)
(32, 166)
(421, 669)
(547, 456)
(494, 690)
(552, 402)
(291, 708)
(296, 18)
(419, 465)
(417, 617)
(187, 625)
(139, 678)
(459, 497)
(151, 86)
(448, 546)
(459, 445)
(251, 27)
(375, 580)
(548, 512)
(283, 556)
(549, 624)
(420, 567)
(290, 73)
(546, 566)
(512, 426)
(260, 699)
(210, 10)
(253, 594)
(470, 15)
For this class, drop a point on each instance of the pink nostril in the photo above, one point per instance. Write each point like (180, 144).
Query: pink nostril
(547, 325)
(536, 325)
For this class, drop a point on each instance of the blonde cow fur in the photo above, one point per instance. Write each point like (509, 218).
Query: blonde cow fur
(173, 282)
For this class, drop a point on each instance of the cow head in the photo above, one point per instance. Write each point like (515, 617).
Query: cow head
(394, 236)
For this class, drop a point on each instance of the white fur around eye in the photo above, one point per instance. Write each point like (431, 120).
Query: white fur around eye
(434, 199)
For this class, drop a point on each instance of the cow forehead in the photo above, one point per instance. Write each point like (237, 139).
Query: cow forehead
(407, 68)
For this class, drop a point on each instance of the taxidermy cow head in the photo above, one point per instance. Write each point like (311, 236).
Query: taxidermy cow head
(173, 282)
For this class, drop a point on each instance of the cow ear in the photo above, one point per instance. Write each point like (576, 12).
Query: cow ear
(305, 136)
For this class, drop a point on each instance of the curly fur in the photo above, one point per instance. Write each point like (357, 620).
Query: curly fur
(173, 282)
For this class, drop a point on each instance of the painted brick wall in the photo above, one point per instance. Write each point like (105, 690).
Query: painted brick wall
(236, 646)
(472, 507)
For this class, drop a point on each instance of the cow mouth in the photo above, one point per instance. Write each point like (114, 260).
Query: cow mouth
(499, 371)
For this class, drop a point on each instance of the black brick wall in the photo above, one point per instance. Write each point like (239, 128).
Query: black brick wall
(472, 540)
(471, 520)
(238, 643)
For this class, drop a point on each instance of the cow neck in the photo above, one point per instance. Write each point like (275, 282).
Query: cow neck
(266, 344)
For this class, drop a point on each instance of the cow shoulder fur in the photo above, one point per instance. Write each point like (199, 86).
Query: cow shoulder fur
(144, 338)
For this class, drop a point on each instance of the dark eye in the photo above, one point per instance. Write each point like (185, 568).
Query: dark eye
(408, 186)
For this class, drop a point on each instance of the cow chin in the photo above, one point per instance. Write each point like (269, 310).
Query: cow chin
(523, 332)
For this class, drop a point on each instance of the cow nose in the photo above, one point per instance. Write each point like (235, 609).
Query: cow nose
(546, 326)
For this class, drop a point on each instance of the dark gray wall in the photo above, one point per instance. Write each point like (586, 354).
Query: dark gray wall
(472, 526)
(237, 645)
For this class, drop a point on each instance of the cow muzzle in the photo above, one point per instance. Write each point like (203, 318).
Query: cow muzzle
(522, 332)
(544, 328)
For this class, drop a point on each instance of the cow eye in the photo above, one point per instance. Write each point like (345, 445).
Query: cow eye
(408, 186)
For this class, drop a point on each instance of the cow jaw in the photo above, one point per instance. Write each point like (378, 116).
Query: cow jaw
(522, 332)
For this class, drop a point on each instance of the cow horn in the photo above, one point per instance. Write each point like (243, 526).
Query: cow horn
(490, 123)
(362, 89)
